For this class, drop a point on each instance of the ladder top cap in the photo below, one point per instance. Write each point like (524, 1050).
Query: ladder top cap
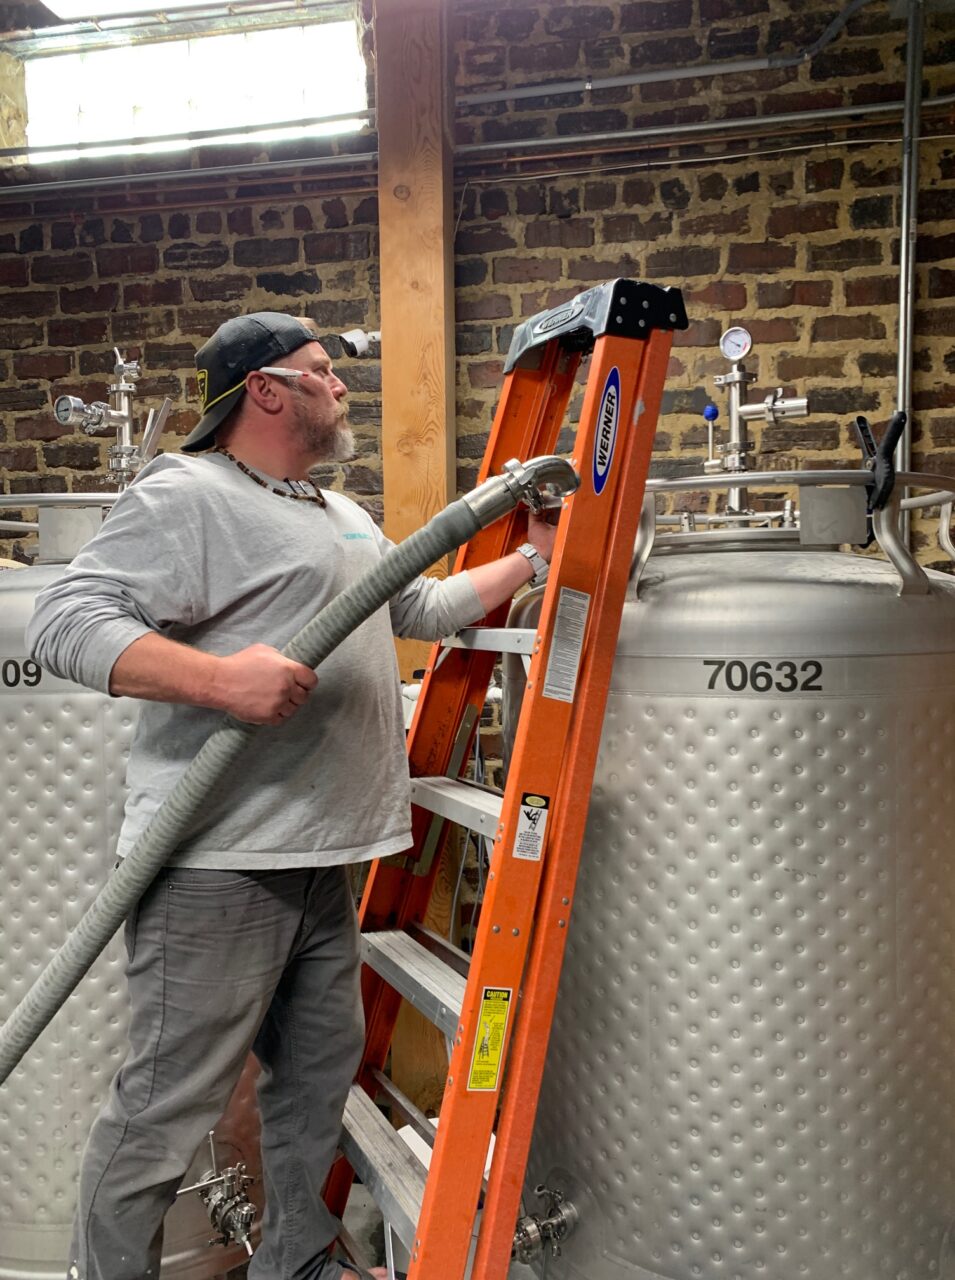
(625, 308)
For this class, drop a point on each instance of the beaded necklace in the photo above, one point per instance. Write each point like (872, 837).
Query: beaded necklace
(301, 490)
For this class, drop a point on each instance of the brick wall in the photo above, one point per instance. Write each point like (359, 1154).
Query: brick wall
(798, 244)
(157, 284)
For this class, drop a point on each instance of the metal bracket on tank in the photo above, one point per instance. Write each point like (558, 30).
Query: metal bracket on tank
(943, 498)
(887, 532)
(646, 537)
(945, 530)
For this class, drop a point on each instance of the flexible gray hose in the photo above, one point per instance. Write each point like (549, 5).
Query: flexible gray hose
(175, 817)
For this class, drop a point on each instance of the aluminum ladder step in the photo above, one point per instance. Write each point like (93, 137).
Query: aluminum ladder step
(387, 1166)
(421, 977)
(493, 639)
(463, 802)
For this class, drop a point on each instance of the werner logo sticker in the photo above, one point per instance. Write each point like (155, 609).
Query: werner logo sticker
(557, 318)
(608, 420)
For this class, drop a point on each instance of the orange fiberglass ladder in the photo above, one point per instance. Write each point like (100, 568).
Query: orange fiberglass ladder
(496, 1006)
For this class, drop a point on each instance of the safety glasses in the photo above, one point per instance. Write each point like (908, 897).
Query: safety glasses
(277, 372)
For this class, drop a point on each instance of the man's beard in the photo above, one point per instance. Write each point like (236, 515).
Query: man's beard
(327, 441)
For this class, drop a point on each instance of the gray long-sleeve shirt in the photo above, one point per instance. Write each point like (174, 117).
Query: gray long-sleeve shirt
(199, 553)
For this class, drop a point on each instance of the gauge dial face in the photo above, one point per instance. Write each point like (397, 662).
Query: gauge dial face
(63, 410)
(736, 343)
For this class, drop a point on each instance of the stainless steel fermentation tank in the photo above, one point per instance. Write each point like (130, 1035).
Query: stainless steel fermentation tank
(63, 749)
(751, 1074)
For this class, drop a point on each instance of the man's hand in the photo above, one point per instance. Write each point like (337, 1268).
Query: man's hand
(260, 686)
(257, 684)
(541, 532)
(497, 581)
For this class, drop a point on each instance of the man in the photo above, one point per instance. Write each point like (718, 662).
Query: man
(248, 939)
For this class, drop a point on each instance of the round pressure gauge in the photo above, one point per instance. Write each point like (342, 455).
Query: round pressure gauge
(736, 343)
(69, 410)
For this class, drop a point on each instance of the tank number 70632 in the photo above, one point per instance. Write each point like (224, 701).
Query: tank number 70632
(783, 676)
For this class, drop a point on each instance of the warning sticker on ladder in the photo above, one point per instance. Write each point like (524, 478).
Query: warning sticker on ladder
(489, 1046)
(531, 824)
(560, 679)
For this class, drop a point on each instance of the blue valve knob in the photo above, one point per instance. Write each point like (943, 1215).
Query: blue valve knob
(711, 413)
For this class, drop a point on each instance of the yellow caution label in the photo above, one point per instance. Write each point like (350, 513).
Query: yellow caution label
(489, 1045)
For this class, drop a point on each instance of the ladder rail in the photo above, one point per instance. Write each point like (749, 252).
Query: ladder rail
(556, 740)
(541, 979)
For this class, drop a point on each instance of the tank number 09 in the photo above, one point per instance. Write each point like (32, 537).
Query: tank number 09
(14, 673)
(784, 677)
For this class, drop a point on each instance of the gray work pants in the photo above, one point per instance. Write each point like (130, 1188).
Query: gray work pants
(221, 963)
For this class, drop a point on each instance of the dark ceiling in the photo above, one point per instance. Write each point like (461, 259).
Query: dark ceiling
(25, 15)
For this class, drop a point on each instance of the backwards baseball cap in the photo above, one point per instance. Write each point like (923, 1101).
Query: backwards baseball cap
(235, 349)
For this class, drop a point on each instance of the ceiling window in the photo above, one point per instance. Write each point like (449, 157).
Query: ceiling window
(286, 82)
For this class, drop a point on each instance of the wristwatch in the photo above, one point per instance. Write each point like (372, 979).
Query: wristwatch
(537, 562)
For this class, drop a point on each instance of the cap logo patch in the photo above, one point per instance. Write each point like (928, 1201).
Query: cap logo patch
(202, 379)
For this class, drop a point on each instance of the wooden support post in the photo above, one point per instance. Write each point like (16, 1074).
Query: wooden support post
(417, 271)
(417, 347)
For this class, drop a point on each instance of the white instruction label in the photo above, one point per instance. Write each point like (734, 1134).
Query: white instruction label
(531, 825)
(560, 679)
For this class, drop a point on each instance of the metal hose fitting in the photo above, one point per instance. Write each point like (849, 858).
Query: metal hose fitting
(527, 482)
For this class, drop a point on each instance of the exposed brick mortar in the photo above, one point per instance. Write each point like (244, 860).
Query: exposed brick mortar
(821, 308)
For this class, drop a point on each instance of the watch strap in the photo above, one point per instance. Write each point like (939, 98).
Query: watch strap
(537, 562)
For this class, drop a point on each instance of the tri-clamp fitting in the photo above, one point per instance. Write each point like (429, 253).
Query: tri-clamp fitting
(225, 1195)
(539, 483)
(125, 458)
(71, 411)
(538, 1231)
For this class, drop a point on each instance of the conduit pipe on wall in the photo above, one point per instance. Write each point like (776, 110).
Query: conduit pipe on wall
(671, 134)
(14, 501)
(772, 61)
(908, 229)
(16, 191)
(658, 136)
(589, 84)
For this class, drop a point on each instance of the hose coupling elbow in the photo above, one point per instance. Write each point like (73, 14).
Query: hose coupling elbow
(539, 483)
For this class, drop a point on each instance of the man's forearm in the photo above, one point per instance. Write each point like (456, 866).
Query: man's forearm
(497, 581)
(161, 670)
(257, 684)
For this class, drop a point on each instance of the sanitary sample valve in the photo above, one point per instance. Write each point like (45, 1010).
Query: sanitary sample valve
(538, 1231)
(225, 1195)
(733, 454)
(125, 457)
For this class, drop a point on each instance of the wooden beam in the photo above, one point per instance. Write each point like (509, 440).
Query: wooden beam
(417, 269)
